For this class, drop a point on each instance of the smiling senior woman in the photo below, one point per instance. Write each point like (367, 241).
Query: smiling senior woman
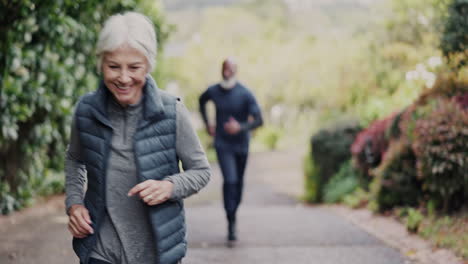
(124, 189)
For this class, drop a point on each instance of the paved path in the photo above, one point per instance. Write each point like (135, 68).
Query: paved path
(273, 226)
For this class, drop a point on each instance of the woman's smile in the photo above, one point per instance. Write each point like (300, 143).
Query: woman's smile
(124, 71)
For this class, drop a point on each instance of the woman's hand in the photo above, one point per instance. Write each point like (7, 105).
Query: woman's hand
(79, 222)
(153, 192)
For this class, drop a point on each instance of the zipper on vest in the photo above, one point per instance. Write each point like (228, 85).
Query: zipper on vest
(125, 127)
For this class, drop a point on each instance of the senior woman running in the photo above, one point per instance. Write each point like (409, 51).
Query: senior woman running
(124, 189)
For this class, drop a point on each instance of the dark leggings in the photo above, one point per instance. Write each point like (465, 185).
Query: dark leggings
(232, 166)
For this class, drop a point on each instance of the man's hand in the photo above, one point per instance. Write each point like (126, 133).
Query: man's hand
(211, 130)
(153, 192)
(79, 222)
(232, 127)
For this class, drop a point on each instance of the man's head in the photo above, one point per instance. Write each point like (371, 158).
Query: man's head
(228, 72)
(229, 69)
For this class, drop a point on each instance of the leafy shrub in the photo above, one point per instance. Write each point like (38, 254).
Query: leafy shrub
(447, 85)
(454, 40)
(46, 62)
(330, 149)
(395, 182)
(411, 115)
(370, 145)
(441, 150)
(311, 179)
(393, 130)
(413, 126)
(344, 182)
(356, 199)
(462, 100)
(447, 231)
(413, 220)
(269, 136)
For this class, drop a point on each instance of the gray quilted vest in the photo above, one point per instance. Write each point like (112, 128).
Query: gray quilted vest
(155, 156)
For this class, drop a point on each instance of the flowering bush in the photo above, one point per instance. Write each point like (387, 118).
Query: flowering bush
(441, 148)
(370, 145)
(462, 100)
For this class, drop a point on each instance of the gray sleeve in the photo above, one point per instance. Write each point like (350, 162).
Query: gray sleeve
(197, 171)
(75, 171)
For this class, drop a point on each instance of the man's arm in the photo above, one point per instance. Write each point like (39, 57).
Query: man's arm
(204, 98)
(256, 114)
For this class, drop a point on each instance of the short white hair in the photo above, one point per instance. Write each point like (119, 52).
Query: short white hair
(130, 28)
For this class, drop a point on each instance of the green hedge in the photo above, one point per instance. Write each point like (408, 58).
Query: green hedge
(46, 62)
(441, 148)
(454, 40)
(311, 179)
(395, 182)
(344, 182)
(330, 148)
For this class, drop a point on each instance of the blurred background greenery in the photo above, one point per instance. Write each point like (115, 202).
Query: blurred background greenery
(309, 62)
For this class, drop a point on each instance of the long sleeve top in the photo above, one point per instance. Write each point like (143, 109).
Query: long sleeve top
(238, 103)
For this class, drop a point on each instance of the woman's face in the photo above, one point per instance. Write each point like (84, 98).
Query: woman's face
(124, 71)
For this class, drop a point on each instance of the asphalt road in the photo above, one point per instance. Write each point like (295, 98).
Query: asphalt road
(273, 226)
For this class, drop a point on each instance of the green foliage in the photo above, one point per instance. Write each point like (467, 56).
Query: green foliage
(46, 62)
(429, 158)
(401, 58)
(441, 149)
(446, 86)
(358, 66)
(285, 58)
(330, 149)
(395, 182)
(454, 40)
(269, 136)
(413, 220)
(344, 182)
(416, 22)
(311, 179)
(447, 231)
(356, 199)
(207, 142)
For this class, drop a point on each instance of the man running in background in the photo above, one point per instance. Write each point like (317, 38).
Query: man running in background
(237, 112)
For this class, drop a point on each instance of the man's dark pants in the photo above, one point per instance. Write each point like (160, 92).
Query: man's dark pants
(232, 166)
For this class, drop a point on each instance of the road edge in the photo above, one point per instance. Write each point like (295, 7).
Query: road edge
(395, 234)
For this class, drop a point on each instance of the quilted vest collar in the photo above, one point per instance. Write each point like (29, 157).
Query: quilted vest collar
(153, 107)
